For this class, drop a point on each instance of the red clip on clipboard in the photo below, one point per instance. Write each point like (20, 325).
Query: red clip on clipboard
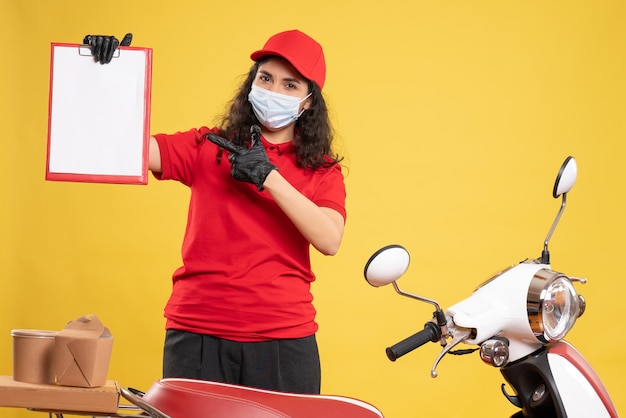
(99, 115)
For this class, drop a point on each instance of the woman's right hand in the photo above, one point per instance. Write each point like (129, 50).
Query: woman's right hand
(103, 47)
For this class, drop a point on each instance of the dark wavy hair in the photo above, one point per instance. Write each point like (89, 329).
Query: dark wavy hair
(314, 133)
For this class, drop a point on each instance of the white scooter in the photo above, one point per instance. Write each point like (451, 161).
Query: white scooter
(518, 318)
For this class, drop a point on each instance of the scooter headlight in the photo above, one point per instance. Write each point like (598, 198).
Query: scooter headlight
(553, 305)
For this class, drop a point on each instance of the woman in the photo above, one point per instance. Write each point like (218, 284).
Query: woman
(241, 309)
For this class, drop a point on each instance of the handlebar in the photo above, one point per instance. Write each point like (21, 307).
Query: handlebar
(430, 333)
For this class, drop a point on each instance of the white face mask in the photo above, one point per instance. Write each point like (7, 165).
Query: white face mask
(274, 110)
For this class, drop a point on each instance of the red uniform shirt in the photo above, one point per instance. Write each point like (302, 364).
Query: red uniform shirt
(246, 271)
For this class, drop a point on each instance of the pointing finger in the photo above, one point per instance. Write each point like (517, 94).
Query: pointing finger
(224, 143)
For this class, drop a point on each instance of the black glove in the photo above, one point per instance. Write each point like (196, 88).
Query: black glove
(247, 164)
(103, 47)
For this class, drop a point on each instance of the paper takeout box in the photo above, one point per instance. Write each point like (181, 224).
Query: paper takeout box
(82, 353)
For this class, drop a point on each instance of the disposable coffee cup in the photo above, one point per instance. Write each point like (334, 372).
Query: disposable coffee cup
(33, 351)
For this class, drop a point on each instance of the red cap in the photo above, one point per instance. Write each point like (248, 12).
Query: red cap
(302, 51)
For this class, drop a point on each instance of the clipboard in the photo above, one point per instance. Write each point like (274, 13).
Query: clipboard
(99, 115)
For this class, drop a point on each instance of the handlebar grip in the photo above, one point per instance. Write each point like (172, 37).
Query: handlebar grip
(431, 332)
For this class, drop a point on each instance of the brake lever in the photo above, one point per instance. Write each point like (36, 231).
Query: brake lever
(459, 337)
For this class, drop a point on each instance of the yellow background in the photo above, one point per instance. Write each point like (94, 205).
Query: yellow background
(454, 117)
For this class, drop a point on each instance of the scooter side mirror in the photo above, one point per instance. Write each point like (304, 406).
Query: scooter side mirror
(564, 182)
(566, 178)
(386, 265)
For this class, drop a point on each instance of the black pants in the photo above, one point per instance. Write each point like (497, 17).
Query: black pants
(282, 365)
